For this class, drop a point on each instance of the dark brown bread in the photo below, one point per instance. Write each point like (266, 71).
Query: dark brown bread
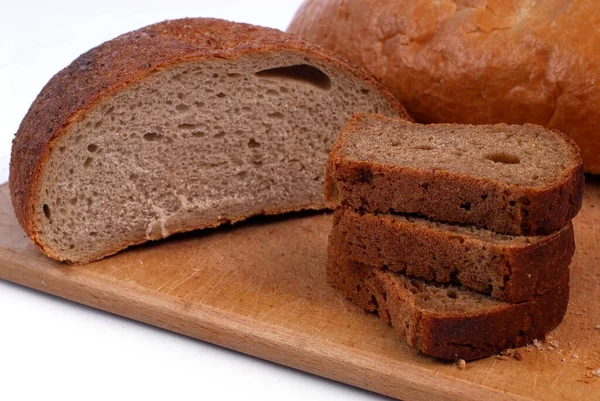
(475, 62)
(510, 268)
(188, 123)
(519, 180)
(447, 321)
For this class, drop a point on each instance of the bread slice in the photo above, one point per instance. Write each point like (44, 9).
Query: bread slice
(448, 321)
(178, 126)
(510, 268)
(520, 180)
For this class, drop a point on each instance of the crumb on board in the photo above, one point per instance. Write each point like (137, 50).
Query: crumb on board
(596, 372)
(461, 364)
(554, 343)
(513, 353)
(537, 343)
(575, 356)
(564, 360)
(598, 326)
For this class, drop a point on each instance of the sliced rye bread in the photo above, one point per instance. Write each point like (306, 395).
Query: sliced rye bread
(444, 320)
(511, 179)
(510, 268)
(181, 125)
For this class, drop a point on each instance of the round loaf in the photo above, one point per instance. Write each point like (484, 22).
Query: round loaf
(475, 61)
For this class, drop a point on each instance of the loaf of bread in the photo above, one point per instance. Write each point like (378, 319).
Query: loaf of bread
(519, 180)
(477, 62)
(510, 268)
(178, 126)
(448, 321)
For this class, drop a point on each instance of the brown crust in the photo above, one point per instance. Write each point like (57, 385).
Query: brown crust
(119, 63)
(477, 62)
(439, 194)
(467, 336)
(512, 272)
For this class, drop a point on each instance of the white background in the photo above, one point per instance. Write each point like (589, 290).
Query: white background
(54, 349)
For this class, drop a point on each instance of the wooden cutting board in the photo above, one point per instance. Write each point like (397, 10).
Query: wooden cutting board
(259, 288)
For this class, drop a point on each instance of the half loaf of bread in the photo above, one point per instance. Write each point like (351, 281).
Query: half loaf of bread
(181, 125)
(510, 179)
(510, 268)
(448, 321)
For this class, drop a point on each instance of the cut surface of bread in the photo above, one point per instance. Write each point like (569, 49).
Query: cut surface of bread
(448, 321)
(510, 268)
(511, 179)
(181, 125)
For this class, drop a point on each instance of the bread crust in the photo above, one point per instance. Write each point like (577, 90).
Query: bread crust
(119, 63)
(439, 194)
(512, 271)
(448, 335)
(477, 62)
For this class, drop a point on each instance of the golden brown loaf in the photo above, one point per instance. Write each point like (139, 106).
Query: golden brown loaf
(479, 61)
(180, 125)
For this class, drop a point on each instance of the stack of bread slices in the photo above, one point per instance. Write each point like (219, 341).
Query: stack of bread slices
(460, 236)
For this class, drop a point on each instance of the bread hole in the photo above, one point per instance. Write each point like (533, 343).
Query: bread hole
(220, 134)
(47, 212)
(364, 91)
(133, 177)
(198, 134)
(358, 288)
(73, 201)
(62, 149)
(301, 73)
(524, 201)
(484, 197)
(535, 177)
(89, 202)
(215, 75)
(88, 162)
(92, 147)
(78, 138)
(98, 124)
(187, 126)
(503, 157)
(234, 75)
(180, 95)
(452, 294)
(252, 143)
(283, 89)
(276, 115)
(182, 107)
(424, 147)
(93, 234)
(72, 246)
(466, 206)
(426, 297)
(221, 95)
(199, 105)
(272, 92)
(152, 136)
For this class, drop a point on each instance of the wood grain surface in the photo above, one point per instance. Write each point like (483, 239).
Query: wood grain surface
(259, 288)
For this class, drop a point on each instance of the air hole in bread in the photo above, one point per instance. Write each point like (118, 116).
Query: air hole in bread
(466, 206)
(301, 72)
(73, 201)
(364, 91)
(47, 211)
(276, 115)
(182, 107)
(452, 294)
(422, 147)
(187, 126)
(504, 158)
(198, 134)
(152, 136)
(88, 162)
(221, 95)
(93, 234)
(253, 144)
(92, 147)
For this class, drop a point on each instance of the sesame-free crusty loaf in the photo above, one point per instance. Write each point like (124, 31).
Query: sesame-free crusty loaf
(476, 61)
(510, 268)
(511, 179)
(448, 321)
(181, 125)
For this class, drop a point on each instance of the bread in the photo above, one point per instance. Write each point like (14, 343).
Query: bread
(476, 62)
(448, 321)
(510, 268)
(181, 125)
(519, 180)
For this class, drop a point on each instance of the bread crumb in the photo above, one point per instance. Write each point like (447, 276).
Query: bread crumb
(575, 356)
(461, 364)
(596, 372)
(518, 355)
(554, 343)
(513, 353)
(502, 357)
(598, 326)
(537, 343)
(550, 348)
(564, 360)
